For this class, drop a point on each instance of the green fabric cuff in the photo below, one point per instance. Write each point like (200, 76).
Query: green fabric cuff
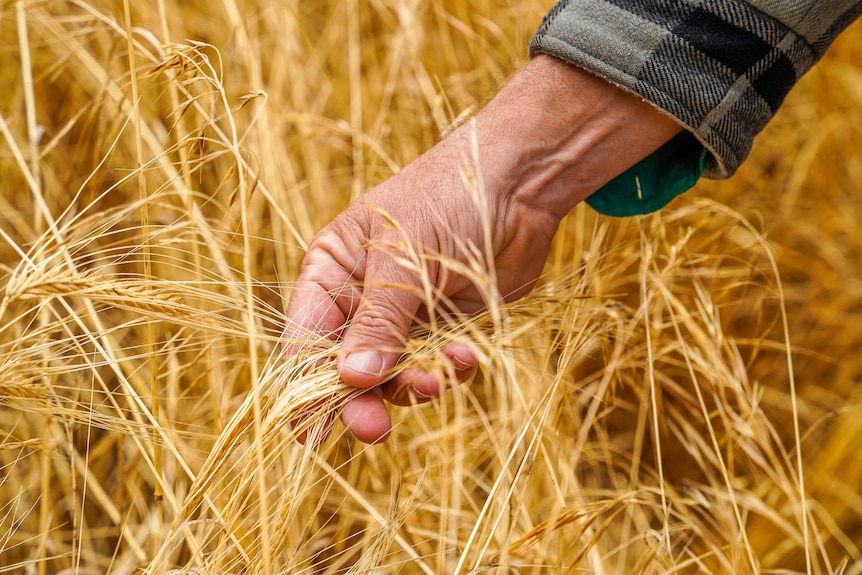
(653, 182)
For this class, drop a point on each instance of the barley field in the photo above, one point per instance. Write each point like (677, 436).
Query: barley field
(681, 393)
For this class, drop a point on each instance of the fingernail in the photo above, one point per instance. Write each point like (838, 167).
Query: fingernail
(459, 363)
(420, 394)
(365, 362)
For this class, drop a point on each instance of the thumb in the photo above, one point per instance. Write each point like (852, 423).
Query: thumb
(375, 336)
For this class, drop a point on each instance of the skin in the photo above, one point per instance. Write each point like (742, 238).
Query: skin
(551, 137)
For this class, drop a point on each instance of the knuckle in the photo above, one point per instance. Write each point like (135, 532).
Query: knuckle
(381, 322)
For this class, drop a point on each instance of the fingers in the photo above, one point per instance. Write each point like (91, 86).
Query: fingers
(367, 418)
(374, 339)
(415, 385)
(321, 302)
(372, 321)
(323, 298)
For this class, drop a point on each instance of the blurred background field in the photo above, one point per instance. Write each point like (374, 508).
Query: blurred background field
(681, 393)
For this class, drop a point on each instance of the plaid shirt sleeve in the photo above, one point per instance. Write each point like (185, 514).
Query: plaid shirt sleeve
(720, 67)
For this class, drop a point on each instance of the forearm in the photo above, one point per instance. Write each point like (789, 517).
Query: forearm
(556, 133)
(721, 67)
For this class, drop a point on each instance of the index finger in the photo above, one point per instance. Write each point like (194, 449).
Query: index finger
(320, 304)
(322, 300)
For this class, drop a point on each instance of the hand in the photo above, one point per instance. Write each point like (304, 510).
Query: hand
(551, 137)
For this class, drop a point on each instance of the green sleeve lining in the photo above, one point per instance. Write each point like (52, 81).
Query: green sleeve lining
(653, 182)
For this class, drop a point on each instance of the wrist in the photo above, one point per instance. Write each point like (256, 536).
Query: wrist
(557, 133)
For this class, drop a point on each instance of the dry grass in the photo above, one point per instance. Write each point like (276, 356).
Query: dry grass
(678, 395)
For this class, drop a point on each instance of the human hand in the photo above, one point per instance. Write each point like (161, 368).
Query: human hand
(551, 137)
